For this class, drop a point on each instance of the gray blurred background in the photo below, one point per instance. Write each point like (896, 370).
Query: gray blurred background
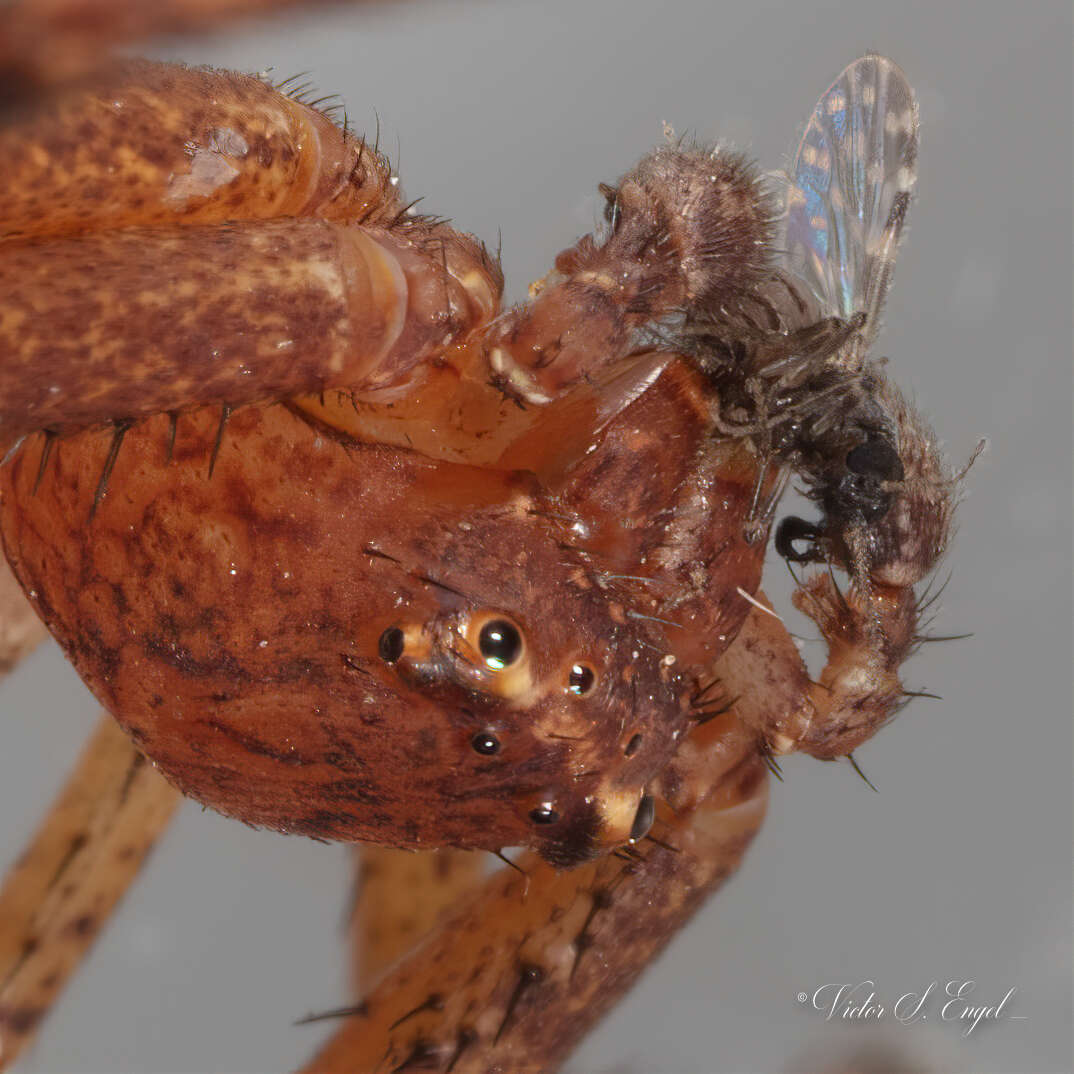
(507, 116)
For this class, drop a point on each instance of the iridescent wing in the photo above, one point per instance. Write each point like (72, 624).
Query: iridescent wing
(850, 186)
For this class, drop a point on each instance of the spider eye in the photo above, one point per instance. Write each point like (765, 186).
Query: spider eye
(485, 743)
(544, 814)
(499, 643)
(643, 819)
(390, 645)
(632, 746)
(494, 657)
(581, 679)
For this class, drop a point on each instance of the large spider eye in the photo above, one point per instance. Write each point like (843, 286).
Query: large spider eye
(581, 679)
(494, 656)
(485, 743)
(544, 814)
(390, 645)
(499, 643)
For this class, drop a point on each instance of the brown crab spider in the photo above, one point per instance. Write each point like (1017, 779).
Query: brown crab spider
(551, 978)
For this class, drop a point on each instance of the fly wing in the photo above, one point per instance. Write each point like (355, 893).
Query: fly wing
(850, 186)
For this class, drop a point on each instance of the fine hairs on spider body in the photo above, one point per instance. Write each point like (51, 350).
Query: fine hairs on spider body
(523, 667)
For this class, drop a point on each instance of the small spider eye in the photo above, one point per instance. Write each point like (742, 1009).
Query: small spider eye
(390, 645)
(499, 643)
(544, 814)
(485, 743)
(581, 679)
(632, 746)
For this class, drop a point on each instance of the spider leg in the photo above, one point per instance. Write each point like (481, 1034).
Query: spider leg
(20, 628)
(557, 949)
(70, 877)
(42, 46)
(302, 270)
(400, 896)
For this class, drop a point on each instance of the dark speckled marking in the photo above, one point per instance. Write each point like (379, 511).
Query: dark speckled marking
(423, 1055)
(351, 790)
(83, 925)
(252, 744)
(575, 839)
(529, 976)
(466, 1038)
(182, 659)
(325, 824)
(22, 1020)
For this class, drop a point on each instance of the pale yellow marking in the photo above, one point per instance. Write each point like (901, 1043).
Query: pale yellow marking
(781, 744)
(476, 285)
(598, 279)
(521, 381)
(619, 808)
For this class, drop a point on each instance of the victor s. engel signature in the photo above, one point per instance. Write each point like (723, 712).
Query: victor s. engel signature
(954, 1001)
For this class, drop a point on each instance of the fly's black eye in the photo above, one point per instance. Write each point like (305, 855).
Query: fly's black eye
(875, 458)
(544, 814)
(390, 645)
(485, 743)
(500, 644)
(581, 679)
(793, 530)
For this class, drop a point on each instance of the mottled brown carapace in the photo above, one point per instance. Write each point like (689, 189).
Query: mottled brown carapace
(298, 641)
(464, 595)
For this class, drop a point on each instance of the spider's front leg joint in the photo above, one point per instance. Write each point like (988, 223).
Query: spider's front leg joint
(869, 631)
